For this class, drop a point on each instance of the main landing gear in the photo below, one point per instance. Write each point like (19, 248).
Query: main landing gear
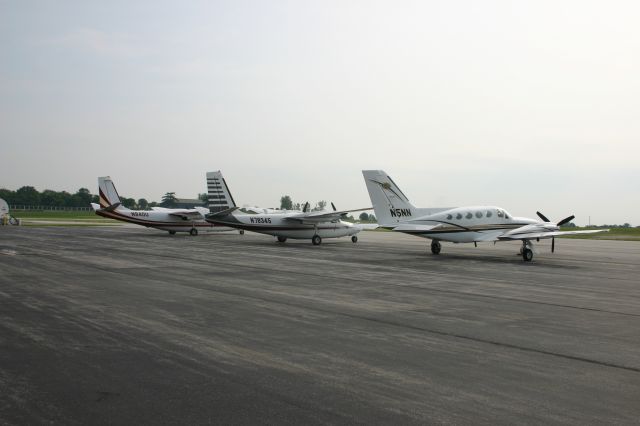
(172, 232)
(435, 247)
(242, 232)
(316, 240)
(282, 239)
(193, 232)
(354, 239)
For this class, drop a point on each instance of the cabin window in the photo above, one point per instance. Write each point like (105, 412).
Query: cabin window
(489, 214)
(500, 213)
(478, 215)
(469, 215)
(449, 217)
(459, 216)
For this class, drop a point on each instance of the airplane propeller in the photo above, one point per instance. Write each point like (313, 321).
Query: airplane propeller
(306, 207)
(562, 222)
(334, 207)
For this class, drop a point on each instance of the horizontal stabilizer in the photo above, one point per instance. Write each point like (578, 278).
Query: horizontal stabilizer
(112, 207)
(221, 213)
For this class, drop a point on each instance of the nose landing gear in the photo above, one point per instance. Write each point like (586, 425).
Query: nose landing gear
(316, 240)
(354, 239)
(527, 251)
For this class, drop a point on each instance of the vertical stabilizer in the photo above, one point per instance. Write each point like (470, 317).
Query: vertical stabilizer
(389, 202)
(108, 194)
(218, 193)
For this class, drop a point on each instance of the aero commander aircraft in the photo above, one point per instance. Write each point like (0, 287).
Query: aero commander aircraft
(471, 224)
(314, 225)
(172, 220)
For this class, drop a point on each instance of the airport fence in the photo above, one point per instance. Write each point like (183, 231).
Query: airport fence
(22, 207)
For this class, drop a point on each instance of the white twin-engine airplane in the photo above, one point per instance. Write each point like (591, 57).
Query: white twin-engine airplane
(172, 220)
(304, 224)
(470, 224)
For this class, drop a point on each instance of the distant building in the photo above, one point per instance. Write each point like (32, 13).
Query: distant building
(188, 203)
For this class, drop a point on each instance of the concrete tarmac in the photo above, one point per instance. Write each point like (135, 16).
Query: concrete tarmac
(130, 325)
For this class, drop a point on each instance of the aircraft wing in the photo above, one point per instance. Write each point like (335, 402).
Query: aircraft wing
(322, 216)
(416, 228)
(185, 214)
(550, 234)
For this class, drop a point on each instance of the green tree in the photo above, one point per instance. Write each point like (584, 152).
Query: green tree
(321, 205)
(84, 196)
(27, 195)
(129, 203)
(143, 204)
(286, 203)
(364, 216)
(7, 195)
(168, 200)
(204, 197)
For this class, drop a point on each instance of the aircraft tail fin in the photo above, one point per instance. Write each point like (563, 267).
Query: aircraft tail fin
(109, 197)
(390, 204)
(219, 196)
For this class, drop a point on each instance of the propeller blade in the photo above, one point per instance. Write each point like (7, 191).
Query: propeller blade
(566, 220)
(553, 244)
(543, 217)
(306, 207)
(334, 207)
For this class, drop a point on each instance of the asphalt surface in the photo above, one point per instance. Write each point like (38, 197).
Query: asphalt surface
(130, 325)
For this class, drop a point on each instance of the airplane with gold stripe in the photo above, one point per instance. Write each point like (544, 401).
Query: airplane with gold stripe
(469, 224)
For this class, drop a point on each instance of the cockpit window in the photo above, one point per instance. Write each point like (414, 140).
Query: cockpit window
(489, 214)
(500, 214)
(478, 215)
(469, 215)
(449, 217)
(459, 216)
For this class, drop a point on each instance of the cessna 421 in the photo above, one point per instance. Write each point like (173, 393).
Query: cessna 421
(314, 225)
(172, 220)
(471, 224)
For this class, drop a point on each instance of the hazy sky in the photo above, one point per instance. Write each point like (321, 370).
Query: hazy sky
(525, 105)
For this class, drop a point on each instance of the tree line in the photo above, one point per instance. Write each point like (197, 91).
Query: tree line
(29, 196)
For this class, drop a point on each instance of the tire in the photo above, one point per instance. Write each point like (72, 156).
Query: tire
(436, 247)
(242, 232)
(282, 239)
(172, 232)
(354, 239)
(193, 232)
(527, 254)
(316, 240)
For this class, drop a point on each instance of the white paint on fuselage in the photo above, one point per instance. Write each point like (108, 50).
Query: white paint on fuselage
(469, 224)
(277, 225)
(161, 219)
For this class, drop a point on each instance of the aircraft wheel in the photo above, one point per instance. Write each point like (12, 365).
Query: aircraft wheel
(172, 232)
(436, 247)
(316, 240)
(354, 239)
(282, 239)
(193, 232)
(527, 254)
(242, 232)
